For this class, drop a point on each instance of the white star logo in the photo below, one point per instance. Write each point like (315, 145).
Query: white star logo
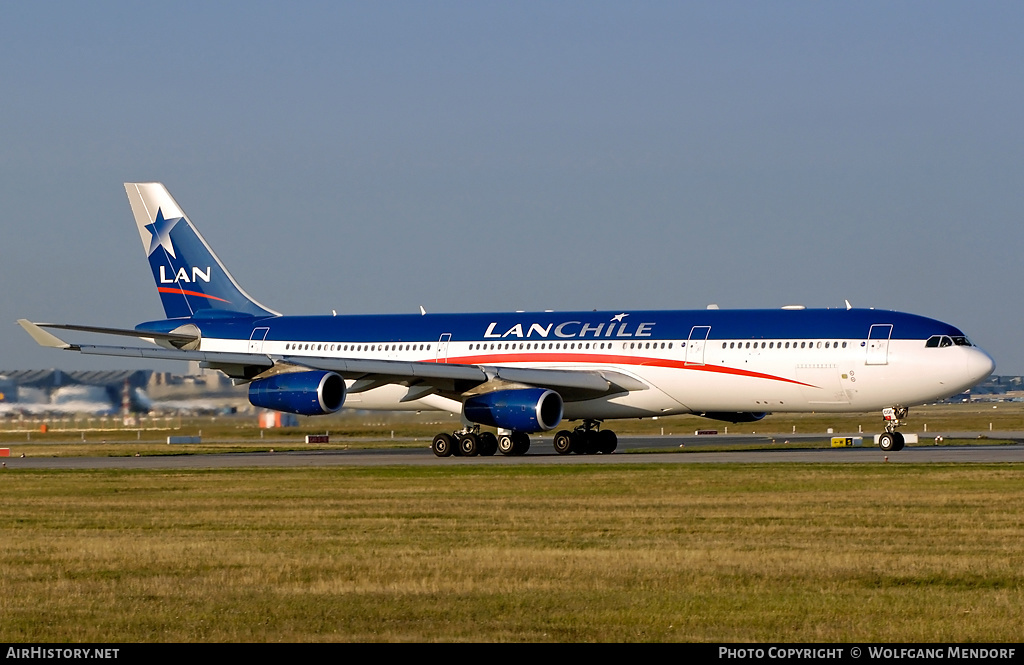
(161, 230)
(619, 317)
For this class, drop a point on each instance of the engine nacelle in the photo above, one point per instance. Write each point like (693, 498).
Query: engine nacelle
(522, 410)
(734, 417)
(305, 393)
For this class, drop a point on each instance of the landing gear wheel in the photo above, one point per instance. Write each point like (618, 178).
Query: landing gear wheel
(516, 443)
(563, 442)
(588, 442)
(521, 443)
(607, 442)
(469, 445)
(891, 442)
(442, 445)
(488, 444)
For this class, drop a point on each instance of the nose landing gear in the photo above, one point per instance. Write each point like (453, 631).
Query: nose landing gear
(891, 440)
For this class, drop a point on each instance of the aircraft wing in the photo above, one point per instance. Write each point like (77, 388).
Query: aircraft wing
(446, 378)
(174, 337)
(456, 379)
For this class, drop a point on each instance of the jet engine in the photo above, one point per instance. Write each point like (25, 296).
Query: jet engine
(305, 393)
(521, 410)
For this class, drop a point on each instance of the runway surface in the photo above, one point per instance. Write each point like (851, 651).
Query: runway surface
(632, 450)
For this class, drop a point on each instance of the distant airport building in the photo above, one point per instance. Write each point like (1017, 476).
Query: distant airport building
(54, 390)
(117, 391)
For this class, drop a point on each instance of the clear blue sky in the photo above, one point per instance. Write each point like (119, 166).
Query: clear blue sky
(479, 156)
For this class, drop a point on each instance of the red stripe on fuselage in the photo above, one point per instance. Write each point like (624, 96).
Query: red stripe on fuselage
(599, 359)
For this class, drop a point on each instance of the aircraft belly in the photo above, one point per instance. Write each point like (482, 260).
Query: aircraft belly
(394, 397)
(640, 404)
(386, 397)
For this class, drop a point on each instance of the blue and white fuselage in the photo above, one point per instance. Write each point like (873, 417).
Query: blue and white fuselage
(688, 361)
(528, 371)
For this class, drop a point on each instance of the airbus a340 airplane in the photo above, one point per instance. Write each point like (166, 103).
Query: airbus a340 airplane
(527, 372)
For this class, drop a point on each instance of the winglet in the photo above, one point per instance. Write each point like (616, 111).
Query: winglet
(42, 337)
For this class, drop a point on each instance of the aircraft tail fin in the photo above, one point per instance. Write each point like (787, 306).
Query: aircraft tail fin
(189, 276)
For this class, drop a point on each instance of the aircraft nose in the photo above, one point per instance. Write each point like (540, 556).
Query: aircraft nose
(979, 365)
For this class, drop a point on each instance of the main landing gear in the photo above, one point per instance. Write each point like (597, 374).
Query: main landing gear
(470, 442)
(891, 440)
(586, 439)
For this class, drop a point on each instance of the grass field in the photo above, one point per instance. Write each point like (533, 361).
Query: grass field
(822, 553)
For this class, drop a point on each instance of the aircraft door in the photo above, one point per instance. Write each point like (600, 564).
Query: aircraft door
(256, 339)
(878, 344)
(695, 345)
(442, 348)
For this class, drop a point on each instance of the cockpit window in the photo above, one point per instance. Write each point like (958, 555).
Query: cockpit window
(945, 340)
